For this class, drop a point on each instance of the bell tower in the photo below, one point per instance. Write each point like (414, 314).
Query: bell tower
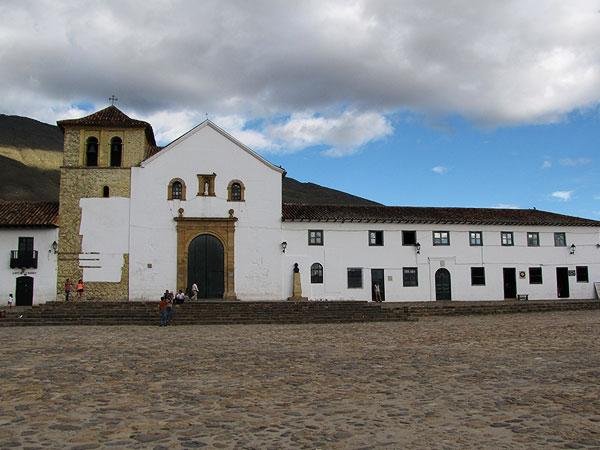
(99, 151)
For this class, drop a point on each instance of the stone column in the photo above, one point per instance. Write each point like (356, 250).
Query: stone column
(297, 286)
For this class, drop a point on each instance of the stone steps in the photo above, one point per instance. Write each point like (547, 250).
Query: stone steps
(423, 309)
(208, 313)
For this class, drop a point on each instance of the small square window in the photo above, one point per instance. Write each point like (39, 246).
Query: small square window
(582, 274)
(409, 237)
(315, 237)
(533, 239)
(355, 278)
(410, 276)
(477, 276)
(560, 240)
(475, 238)
(376, 238)
(441, 238)
(506, 238)
(535, 275)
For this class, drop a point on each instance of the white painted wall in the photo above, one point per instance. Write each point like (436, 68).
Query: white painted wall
(105, 237)
(346, 245)
(44, 277)
(153, 236)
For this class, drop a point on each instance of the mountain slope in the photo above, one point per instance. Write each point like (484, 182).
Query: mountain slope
(25, 183)
(31, 154)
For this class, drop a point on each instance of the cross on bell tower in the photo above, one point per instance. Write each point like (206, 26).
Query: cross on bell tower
(113, 99)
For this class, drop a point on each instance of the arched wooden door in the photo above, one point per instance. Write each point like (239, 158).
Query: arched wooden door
(206, 266)
(24, 291)
(443, 289)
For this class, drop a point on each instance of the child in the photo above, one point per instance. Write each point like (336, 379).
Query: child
(11, 300)
(79, 289)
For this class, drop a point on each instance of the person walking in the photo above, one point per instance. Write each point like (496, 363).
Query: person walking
(68, 289)
(80, 288)
(194, 291)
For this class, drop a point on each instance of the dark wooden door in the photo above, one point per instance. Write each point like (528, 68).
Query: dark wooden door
(24, 291)
(510, 282)
(443, 288)
(206, 266)
(562, 282)
(377, 277)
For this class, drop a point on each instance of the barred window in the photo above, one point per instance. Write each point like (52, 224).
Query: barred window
(410, 276)
(535, 275)
(477, 276)
(355, 278)
(316, 273)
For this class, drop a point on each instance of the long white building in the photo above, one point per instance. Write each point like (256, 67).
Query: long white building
(136, 219)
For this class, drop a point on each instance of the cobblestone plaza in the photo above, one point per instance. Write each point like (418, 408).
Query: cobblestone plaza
(498, 381)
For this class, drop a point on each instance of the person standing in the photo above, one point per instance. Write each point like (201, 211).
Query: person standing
(162, 309)
(11, 300)
(377, 293)
(80, 288)
(169, 310)
(68, 289)
(194, 291)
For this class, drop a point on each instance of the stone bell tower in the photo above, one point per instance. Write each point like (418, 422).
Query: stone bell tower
(99, 151)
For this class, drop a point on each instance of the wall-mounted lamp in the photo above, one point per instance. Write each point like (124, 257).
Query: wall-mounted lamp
(418, 248)
(572, 249)
(54, 247)
(283, 246)
(597, 245)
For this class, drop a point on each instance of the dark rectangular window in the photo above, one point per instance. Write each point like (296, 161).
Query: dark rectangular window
(477, 276)
(315, 237)
(441, 238)
(409, 237)
(475, 238)
(410, 276)
(533, 239)
(26, 245)
(506, 238)
(355, 278)
(535, 275)
(560, 240)
(582, 274)
(376, 237)
(316, 273)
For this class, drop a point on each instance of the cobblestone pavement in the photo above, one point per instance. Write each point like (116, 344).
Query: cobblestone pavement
(505, 381)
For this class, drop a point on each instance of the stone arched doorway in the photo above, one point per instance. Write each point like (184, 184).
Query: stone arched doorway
(206, 266)
(206, 239)
(443, 289)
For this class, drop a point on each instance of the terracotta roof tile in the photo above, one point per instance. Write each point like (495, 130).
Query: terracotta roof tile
(430, 215)
(110, 117)
(28, 214)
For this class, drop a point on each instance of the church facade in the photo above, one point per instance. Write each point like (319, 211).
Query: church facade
(136, 219)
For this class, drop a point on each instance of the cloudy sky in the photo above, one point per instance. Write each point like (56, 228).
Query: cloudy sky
(448, 103)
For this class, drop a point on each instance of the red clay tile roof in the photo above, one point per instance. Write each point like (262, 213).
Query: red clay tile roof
(412, 214)
(110, 117)
(28, 214)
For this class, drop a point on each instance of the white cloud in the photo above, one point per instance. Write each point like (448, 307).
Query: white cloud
(564, 196)
(506, 206)
(498, 63)
(574, 162)
(342, 134)
(546, 164)
(440, 170)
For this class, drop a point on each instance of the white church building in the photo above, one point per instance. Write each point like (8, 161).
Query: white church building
(136, 219)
